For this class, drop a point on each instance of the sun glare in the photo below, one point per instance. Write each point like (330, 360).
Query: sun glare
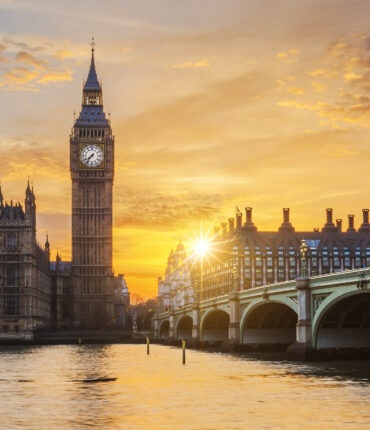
(201, 247)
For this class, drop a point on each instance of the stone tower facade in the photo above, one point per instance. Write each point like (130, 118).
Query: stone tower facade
(92, 172)
(25, 283)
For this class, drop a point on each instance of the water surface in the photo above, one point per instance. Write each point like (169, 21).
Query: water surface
(120, 387)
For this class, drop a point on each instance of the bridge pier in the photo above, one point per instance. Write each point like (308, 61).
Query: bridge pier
(156, 327)
(234, 327)
(196, 322)
(171, 334)
(302, 348)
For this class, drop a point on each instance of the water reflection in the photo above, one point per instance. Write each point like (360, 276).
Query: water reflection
(46, 388)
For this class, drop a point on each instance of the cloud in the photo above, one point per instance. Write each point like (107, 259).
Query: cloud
(316, 72)
(25, 46)
(296, 90)
(288, 56)
(56, 76)
(18, 75)
(27, 58)
(190, 65)
(62, 54)
(26, 155)
(281, 55)
(154, 210)
(319, 87)
(352, 76)
(33, 72)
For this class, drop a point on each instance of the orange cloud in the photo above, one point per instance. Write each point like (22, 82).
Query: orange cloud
(27, 58)
(296, 90)
(190, 65)
(56, 76)
(19, 75)
(62, 54)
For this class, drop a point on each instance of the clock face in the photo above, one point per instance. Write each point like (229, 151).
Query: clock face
(91, 155)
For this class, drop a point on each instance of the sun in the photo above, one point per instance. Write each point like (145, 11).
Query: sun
(201, 247)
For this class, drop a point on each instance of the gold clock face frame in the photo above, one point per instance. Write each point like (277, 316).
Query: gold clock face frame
(92, 156)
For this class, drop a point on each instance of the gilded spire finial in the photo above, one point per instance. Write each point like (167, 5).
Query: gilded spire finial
(92, 44)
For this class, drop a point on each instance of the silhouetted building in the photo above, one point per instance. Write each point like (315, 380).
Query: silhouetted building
(25, 278)
(267, 257)
(92, 172)
(121, 302)
(38, 294)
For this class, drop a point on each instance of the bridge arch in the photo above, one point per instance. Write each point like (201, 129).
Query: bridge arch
(164, 329)
(343, 321)
(269, 322)
(183, 328)
(214, 326)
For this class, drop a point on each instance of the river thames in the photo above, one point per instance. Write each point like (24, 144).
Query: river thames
(120, 387)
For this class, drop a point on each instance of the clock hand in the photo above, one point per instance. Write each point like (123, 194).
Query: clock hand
(91, 156)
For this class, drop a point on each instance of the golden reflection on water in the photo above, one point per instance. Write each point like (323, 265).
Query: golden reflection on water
(50, 387)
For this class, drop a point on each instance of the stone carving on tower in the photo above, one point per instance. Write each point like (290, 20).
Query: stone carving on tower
(92, 172)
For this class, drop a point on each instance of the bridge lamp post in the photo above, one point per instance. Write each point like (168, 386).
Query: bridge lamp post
(303, 249)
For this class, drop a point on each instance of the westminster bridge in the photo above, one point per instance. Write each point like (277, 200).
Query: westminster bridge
(322, 312)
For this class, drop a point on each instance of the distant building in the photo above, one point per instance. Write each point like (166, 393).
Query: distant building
(62, 293)
(265, 257)
(121, 302)
(176, 289)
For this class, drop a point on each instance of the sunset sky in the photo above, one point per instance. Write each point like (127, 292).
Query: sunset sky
(213, 104)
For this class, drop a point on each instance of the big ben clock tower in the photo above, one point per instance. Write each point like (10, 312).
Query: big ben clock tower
(92, 171)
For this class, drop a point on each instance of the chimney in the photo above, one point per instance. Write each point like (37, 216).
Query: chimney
(339, 225)
(329, 225)
(365, 226)
(365, 215)
(239, 217)
(248, 219)
(224, 228)
(351, 222)
(286, 215)
(329, 216)
(286, 225)
(248, 215)
(216, 231)
(231, 224)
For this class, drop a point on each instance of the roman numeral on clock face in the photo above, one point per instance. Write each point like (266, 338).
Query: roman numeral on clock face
(91, 155)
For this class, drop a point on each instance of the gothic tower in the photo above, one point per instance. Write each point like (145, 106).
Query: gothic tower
(92, 171)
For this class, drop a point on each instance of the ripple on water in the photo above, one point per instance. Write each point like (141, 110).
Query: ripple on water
(120, 387)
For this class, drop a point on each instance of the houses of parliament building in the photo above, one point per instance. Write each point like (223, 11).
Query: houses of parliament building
(263, 257)
(36, 293)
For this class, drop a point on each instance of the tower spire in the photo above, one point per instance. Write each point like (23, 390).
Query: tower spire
(92, 82)
(92, 44)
